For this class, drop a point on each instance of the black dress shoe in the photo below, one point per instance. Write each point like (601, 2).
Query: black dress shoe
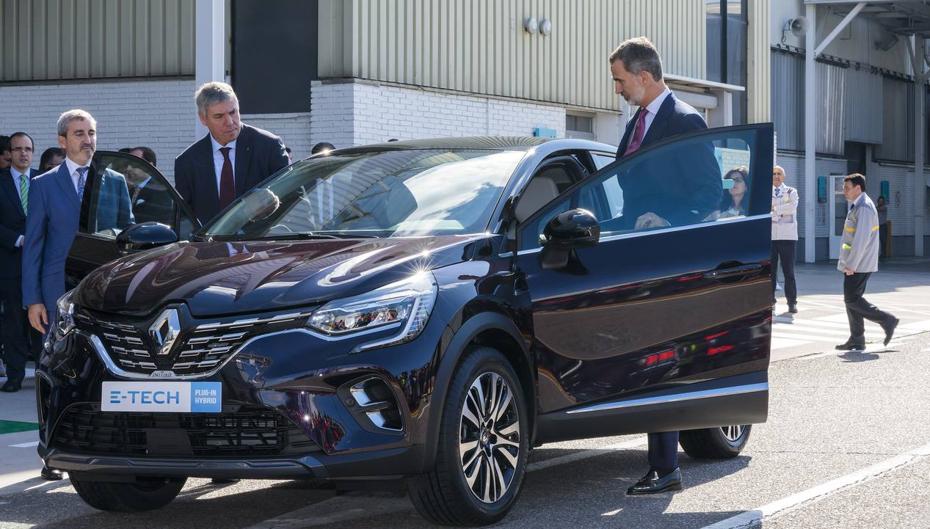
(889, 327)
(652, 483)
(851, 346)
(12, 386)
(50, 474)
(793, 308)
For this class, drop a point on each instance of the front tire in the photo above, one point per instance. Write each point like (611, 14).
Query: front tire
(483, 444)
(723, 442)
(143, 495)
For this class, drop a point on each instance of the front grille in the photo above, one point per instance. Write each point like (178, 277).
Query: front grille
(199, 349)
(244, 433)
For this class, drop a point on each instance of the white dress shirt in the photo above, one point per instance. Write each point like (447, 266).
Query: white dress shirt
(653, 109)
(75, 177)
(17, 181)
(218, 160)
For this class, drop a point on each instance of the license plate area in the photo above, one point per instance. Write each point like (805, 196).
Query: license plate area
(162, 397)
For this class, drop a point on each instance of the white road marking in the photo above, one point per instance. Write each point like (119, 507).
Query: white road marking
(812, 495)
(26, 445)
(584, 454)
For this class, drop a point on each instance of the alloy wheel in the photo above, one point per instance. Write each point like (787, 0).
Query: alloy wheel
(733, 432)
(489, 442)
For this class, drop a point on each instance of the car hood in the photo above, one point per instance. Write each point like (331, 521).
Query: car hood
(222, 278)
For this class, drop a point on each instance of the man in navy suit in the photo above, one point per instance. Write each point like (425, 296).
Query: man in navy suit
(14, 201)
(54, 211)
(230, 160)
(662, 192)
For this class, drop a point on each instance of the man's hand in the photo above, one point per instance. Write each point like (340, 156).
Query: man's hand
(848, 271)
(38, 318)
(650, 220)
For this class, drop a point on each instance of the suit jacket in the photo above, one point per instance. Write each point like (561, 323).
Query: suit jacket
(51, 223)
(259, 154)
(12, 225)
(683, 188)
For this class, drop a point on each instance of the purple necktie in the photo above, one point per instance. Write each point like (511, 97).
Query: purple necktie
(637, 141)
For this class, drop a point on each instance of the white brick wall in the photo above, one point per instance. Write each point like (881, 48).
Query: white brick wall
(358, 113)
(294, 130)
(158, 114)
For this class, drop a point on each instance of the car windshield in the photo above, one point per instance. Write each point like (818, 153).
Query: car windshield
(375, 194)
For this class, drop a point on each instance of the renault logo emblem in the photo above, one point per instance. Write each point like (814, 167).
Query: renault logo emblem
(165, 331)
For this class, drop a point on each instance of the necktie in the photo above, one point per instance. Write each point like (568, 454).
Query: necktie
(637, 141)
(82, 179)
(227, 183)
(24, 192)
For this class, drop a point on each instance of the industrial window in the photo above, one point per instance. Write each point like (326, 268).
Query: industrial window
(727, 24)
(579, 126)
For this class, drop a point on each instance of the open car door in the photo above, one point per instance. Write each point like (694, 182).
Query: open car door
(122, 190)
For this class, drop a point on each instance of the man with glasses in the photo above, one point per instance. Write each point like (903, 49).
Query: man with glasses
(784, 235)
(14, 203)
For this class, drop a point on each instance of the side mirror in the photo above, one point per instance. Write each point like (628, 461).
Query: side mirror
(575, 228)
(145, 236)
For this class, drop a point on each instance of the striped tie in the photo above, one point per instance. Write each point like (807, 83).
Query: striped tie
(24, 192)
(82, 179)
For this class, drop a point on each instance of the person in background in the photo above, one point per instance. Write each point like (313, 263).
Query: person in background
(858, 260)
(734, 200)
(322, 147)
(14, 203)
(882, 207)
(146, 153)
(6, 157)
(784, 235)
(51, 158)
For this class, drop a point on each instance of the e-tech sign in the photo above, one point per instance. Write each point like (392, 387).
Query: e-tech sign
(184, 397)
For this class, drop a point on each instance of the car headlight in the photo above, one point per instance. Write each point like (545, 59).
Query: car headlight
(405, 305)
(65, 322)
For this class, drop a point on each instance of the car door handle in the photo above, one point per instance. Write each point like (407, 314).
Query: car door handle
(732, 271)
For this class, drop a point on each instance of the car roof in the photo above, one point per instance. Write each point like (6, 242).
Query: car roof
(496, 143)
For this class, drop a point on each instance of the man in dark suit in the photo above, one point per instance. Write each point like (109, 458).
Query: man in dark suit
(54, 210)
(230, 160)
(14, 201)
(681, 191)
(662, 190)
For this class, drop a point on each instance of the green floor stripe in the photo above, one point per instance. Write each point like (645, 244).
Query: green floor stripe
(17, 426)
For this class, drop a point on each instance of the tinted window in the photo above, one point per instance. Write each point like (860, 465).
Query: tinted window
(677, 184)
(392, 193)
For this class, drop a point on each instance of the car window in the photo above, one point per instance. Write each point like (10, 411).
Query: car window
(110, 209)
(383, 194)
(127, 190)
(602, 160)
(700, 178)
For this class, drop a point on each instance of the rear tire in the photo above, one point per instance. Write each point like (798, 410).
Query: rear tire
(145, 494)
(723, 442)
(483, 444)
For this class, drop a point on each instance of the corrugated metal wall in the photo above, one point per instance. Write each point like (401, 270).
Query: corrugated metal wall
(863, 110)
(480, 46)
(831, 83)
(898, 115)
(81, 39)
(788, 100)
(788, 103)
(760, 62)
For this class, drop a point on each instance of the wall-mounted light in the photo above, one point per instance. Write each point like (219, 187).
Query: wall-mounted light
(530, 25)
(545, 27)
